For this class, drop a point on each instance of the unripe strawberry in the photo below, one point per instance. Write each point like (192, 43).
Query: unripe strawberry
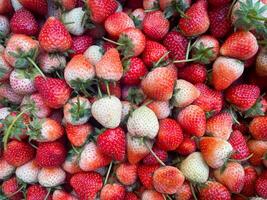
(51, 177)
(28, 172)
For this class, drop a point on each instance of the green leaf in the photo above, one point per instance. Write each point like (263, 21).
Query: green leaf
(21, 63)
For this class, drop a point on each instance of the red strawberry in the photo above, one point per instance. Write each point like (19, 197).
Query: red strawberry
(80, 44)
(151, 160)
(130, 196)
(18, 153)
(23, 22)
(112, 143)
(241, 45)
(258, 148)
(193, 120)
(197, 20)
(78, 134)
(170, 134)
(155, 25)
(258, 128)
(126, 173)
(39, 7)
(10, 189)
(194, 73)
(187, 147)
(67, 4)
(145, 174)
(261, 186)
(5, 7)
(37, 192)
(214, 190)
(86, 184)
(238, 142)
(249, 181)
(112, 191)
(54, 37)
(55, 92)
(50, 154)
(177, 44)
(220, 25)
(135, 70)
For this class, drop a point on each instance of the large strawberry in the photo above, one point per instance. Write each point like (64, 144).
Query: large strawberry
(193, 73)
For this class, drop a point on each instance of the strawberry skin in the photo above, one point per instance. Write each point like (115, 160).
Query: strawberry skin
(145, 174)
(81, 44)
(39, 7)
(261, 186)
(55, 92)
(238, 142)
(249, 181)
(193, 73)
(78, 134)
(37, 192)
(5, 6)
(151, 160)
(258, 128)
(214, 190)
(112, 191)
(126, 173)
(258, 148)
(187, 147)
(10, 189)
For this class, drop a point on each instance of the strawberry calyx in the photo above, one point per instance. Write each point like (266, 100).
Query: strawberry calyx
(84, 86)
(177, 6)
(35, 126)
(255, 110)
(78, 110)
(108, 173)
(135, 96)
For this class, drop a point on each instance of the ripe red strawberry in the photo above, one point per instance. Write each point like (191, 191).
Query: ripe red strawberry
(112, 143)
(18, 153)
(145, 174)
(37, 192)
(197, 20)
(159, 83)
(130, 196)
(155, 25)
(126, 173)
(241, 45)
(5, 7)
(193, 120)
(258, 128)
(153, 52)
(187, 147)
(177, 44)
(50, 154)
(261, 186)
(54, 37)
(80, 44)
(10, 189)
(220, 25)
(39, 7)
(78, 134)
(214, 190)
(151, 160)
(112, 191)
(170, 134)
(238, 142)
(23, 22)
(249, 181)
(135, 70)
(258, 148)
(100, 10)
(86, 184)
(55, 92)
(194, 73)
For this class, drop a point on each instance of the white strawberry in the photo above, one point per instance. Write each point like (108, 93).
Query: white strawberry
(94, 54)
(6, 169)
(107, 111)
(51, 177)
(143, 122)
(28, 172)
(184, 93)
(195, 168)
(51, 62)
(5, 68)
(4, 26)
(75, 20)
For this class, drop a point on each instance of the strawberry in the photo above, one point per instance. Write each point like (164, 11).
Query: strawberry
(111, 88)
(249, 181)
(54, 37)
(238, 142)
(112, 143)
(150, 4)
(187, 147)
(145, 174)
(5, 6)
(159, 83)
(71, 163)
(6, 169)
(220, 25)
(261, 63)
(185, 93)
(214, 190)
(62, 195)
(8, 93)
(258, 148)
(109, 118)
(5, 68)
(193, 73)
(215, 151)
(151, 160)
(23, 22)
(91, 158)
(39, 7)
(112, 191)
(197, 20)
(37, 192)
(126, 173)
(11, 189)
(243, 96)
(130, 196)
(28, 172)
(194, 168)
(240, 45)
(137, 149)
(67, 4)
(162, 109)
(93, 54)
(51, 177)
(55, 92)
(4, 27)
(184, 192)
(261, 185)
(100, 10)
(258, 128)
(86, 184)
(135, 70)
(51, 62)
(138, 16)
(155, 19)
(153, 52)
(177, 44)
(110, 66)
(232, 176)
(151, 194)
(168, 179)
(193, 120)
(225, 71)
(116, 23)
(81, 44)
(50, 154)
(78, 134)
(18, 153)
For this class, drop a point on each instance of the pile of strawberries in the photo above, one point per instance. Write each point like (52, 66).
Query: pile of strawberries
(133, 99)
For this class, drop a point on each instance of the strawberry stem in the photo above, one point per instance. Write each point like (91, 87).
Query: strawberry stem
(48, 192)
(187, 60)
(153, 153)
(36, 66)
(188, 50)
(193, 191)
(108, 172)
(107, 86)
(151, 10)
(241, 160)
(113, 42)
(161, 59)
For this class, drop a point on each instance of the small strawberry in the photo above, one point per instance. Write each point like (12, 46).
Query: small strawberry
(193, 73)
(39, 7)
(215, 151)
(112, 191)
(6, 170)
(214, 190)
(184, 192)
(151, 194)
(150, 158)
(78, 134)
(80, 44)
(261, 63)
(258, 128)
(5, 68)
(193, 120)
(126, 173)
(249, 181)
(261, 185)
(162, 109)
(8, 93)
(54, 37)
(11, 189)
(145, 174)
(187, 147)
(93, 54)
(37, 192)
(23, 22)
(51, 177)
(28, 172)
(62, 195)
(55, 92)
(225, 71)
(258, 148)
(86, 184)
(51, 62)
